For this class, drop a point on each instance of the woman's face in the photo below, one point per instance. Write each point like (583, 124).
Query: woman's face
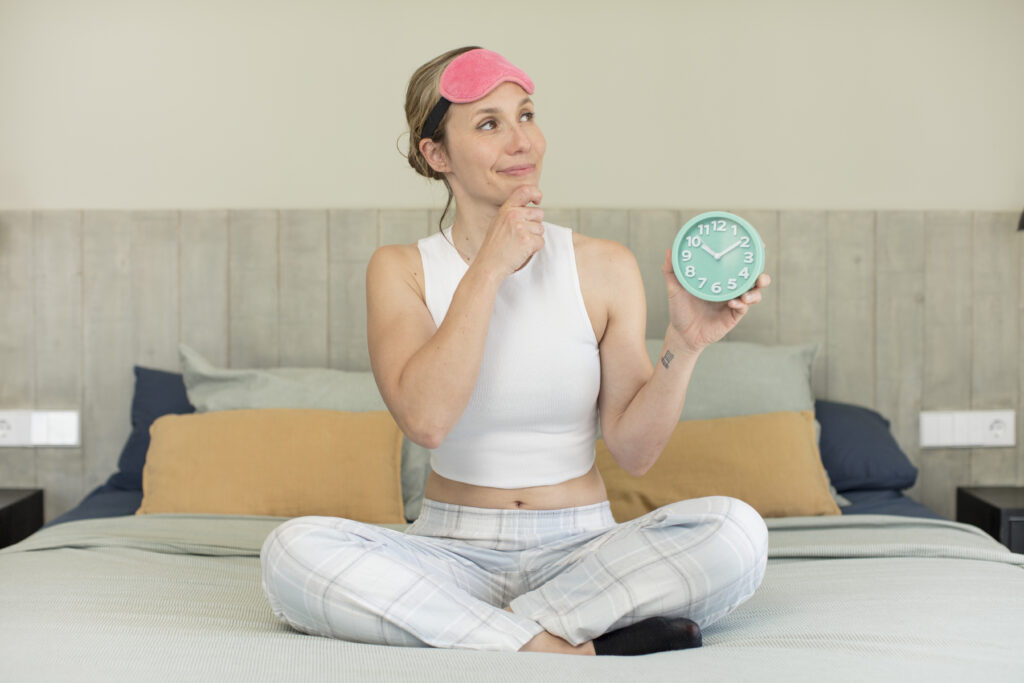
(493, 145)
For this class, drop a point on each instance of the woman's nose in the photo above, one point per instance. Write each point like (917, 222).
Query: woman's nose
(519, 141)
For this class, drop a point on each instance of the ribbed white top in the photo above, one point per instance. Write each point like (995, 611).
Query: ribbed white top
(532, 418)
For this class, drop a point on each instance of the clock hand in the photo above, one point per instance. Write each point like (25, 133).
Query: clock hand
(730, 249)
(705, 247)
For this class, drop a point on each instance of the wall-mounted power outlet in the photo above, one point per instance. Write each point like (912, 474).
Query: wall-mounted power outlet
(15, 427)
(26, 428)
(968, 428)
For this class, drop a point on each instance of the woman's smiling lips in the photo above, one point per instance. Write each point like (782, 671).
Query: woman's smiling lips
(522, 169)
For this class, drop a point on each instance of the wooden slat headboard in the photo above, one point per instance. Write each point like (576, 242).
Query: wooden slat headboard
(914, 310)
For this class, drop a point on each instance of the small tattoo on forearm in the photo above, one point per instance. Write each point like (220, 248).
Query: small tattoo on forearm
(667, 358)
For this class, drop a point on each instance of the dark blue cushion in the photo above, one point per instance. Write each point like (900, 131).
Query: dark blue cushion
(886, 502)
(156, 393)
(858, 450)
(103, 501)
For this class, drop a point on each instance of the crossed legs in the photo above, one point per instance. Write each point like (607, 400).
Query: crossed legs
(696, 559)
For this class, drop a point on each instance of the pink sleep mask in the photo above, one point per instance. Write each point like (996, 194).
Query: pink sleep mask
(473, 74)
(468, 78)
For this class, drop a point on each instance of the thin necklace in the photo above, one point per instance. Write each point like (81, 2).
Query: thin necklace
(451, 240)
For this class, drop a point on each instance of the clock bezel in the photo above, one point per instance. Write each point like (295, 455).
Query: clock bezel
(757, 266)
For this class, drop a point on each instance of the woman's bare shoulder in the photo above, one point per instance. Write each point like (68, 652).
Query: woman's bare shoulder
(600, 255)
(397, 254)
(397, 262)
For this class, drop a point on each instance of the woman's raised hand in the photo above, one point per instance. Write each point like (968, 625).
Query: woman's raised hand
(700, 322)
(516, 233)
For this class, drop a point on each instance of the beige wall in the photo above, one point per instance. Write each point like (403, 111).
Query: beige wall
(795, 104)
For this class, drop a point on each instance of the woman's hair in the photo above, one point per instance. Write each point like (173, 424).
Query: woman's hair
(420, 98)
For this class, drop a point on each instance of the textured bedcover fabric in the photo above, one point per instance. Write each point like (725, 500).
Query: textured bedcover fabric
(177, 598)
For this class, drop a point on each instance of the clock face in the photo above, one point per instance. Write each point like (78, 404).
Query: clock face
(717, 256)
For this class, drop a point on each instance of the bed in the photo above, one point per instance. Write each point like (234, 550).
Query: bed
(862, 582)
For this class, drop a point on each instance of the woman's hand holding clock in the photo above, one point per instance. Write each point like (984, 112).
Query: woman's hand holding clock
(708, 296)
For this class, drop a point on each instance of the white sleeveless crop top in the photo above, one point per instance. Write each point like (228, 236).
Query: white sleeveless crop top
(532, 418)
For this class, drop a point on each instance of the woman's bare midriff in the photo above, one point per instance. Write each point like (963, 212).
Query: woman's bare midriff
(585, 490)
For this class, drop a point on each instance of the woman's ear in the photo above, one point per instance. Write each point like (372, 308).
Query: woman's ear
(435, 155)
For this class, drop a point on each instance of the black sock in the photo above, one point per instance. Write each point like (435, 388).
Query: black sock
(656, 634)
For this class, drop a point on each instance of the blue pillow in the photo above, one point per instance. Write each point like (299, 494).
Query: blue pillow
(157, 393)
(858, 450)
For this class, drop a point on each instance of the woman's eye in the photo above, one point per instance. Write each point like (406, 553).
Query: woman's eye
(491, 124)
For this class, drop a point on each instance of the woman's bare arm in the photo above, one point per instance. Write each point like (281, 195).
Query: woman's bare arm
(426, 374)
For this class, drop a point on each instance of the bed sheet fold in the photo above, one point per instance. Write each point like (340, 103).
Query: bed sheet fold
(823, 537)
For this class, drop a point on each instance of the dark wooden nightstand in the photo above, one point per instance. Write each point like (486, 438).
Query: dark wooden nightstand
(21, 514)
(999, 510)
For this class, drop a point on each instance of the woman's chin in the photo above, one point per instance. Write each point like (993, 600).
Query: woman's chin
(513, 181)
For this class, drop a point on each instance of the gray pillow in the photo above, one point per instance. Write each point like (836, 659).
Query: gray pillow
(210, 388)
(744, 378)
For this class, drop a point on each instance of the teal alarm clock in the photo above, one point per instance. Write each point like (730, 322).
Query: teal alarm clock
(717, 256)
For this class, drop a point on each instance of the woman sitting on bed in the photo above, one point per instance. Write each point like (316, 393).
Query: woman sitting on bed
(497, 343)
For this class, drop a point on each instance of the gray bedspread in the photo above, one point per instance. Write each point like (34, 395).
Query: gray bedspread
(178, 598)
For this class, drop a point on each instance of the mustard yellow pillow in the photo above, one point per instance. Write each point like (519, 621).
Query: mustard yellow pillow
(769, 460)
(285, 463)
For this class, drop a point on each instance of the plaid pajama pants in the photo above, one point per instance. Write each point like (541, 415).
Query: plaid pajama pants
(573, 572)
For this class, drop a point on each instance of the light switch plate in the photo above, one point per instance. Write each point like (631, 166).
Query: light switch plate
(55, 428)
(27, 428)
(968, 428)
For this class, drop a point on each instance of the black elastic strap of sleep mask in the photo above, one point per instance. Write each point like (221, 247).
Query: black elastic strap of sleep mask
(434, 118)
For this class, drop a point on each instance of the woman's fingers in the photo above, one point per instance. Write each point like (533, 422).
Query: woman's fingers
(523, 195)
(744, 301)
(753, 294)
(516, 233)
(531, 214)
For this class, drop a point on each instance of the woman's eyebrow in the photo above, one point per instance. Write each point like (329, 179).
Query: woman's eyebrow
(495, 110)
